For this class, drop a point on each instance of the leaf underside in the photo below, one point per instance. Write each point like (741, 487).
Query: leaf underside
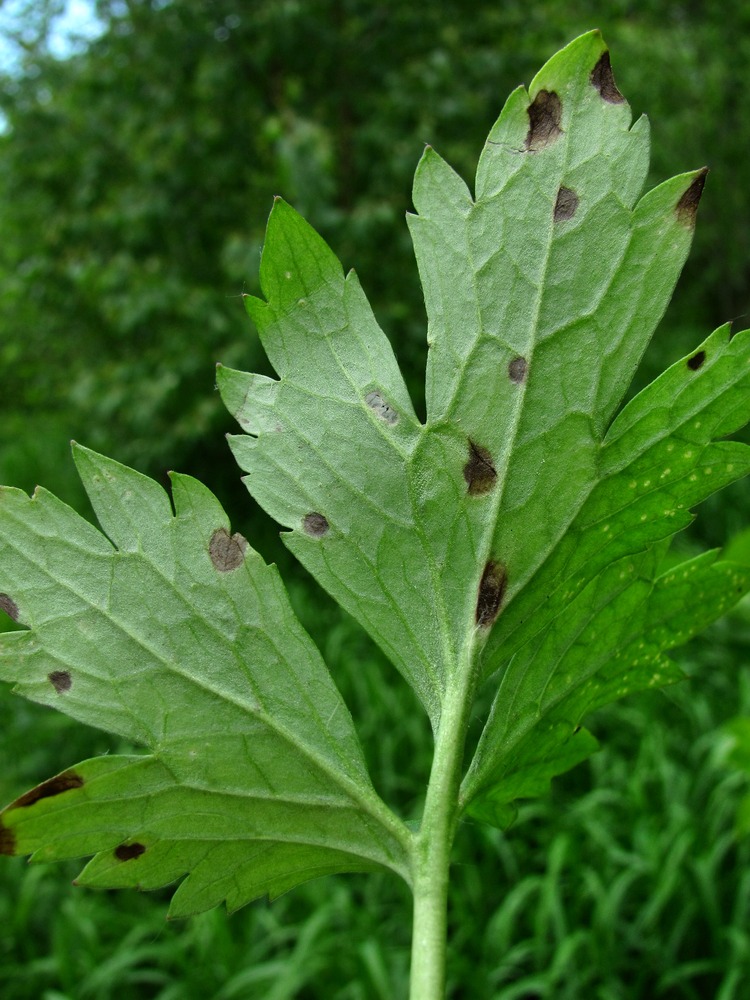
(173, 633)
(519, 533)
(523, 522)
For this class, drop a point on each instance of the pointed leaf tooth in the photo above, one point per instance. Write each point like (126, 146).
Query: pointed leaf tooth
(249, 398)
(133, 510)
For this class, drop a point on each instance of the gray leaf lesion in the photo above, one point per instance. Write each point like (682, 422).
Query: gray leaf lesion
(227, 551)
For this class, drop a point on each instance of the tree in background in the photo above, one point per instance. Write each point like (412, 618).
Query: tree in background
(136, 176)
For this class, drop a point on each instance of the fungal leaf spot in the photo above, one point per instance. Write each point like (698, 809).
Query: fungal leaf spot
(7, 840)
(491, 591)
(696, 361)
(227, 551)
(9, 606)
(54, 786)
(566, 204)
(315, 524)
(517, 369)
(479, 471)
(687, 206)
(126, 852)
(381, 408)
(545, 115)
(60, 681)
(603, 79)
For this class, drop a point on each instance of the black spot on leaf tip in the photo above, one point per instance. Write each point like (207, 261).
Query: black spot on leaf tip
(54, 786)
(545, 115)
(479, 471)
(9, 606)
(566, 204)
(7, 840)
(491, 592)
(687, 207)
(60, 681)
(126, 852)
(315, 524)
(696, 361)
(227, 551)
(603, 79)
(517, 369)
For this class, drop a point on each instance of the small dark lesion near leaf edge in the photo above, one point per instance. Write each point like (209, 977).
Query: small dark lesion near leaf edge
(687, 206)
(315, 524)
(603, 79)
(9, 606)
(545, 116)
(7, 840)
(696, 361)
(64, 782)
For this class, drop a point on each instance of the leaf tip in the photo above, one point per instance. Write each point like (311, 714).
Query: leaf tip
(687, 206)
(603, 80)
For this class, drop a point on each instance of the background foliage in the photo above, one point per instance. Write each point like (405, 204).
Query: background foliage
(135, 180)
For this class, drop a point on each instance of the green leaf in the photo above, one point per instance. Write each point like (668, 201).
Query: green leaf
(516, 538)
(173, 633)
(518, 533)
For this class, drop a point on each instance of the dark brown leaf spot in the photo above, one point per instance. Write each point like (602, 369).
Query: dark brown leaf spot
(603, 79)
(491, 591)
(315, 524)
(54, 786)
(227, 551)
(696, 361)
(687, 206)
(479, 471)
(7, 840)
(566, 204)
(9, 606)
(60, 681)
(126, 852)
(517, 369)
(545, 115)
(381, 407)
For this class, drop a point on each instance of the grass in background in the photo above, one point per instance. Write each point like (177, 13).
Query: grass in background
(627, 882)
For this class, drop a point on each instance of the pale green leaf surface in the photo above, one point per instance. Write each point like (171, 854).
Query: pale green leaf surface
(659, 458)
(522, 495)
(542, 291)
(609, 643)
(174, 634)
(517, 536)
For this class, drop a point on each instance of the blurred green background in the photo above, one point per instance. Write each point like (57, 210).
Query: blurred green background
(137, 169)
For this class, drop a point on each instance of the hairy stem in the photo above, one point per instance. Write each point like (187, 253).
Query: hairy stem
(435, 839)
